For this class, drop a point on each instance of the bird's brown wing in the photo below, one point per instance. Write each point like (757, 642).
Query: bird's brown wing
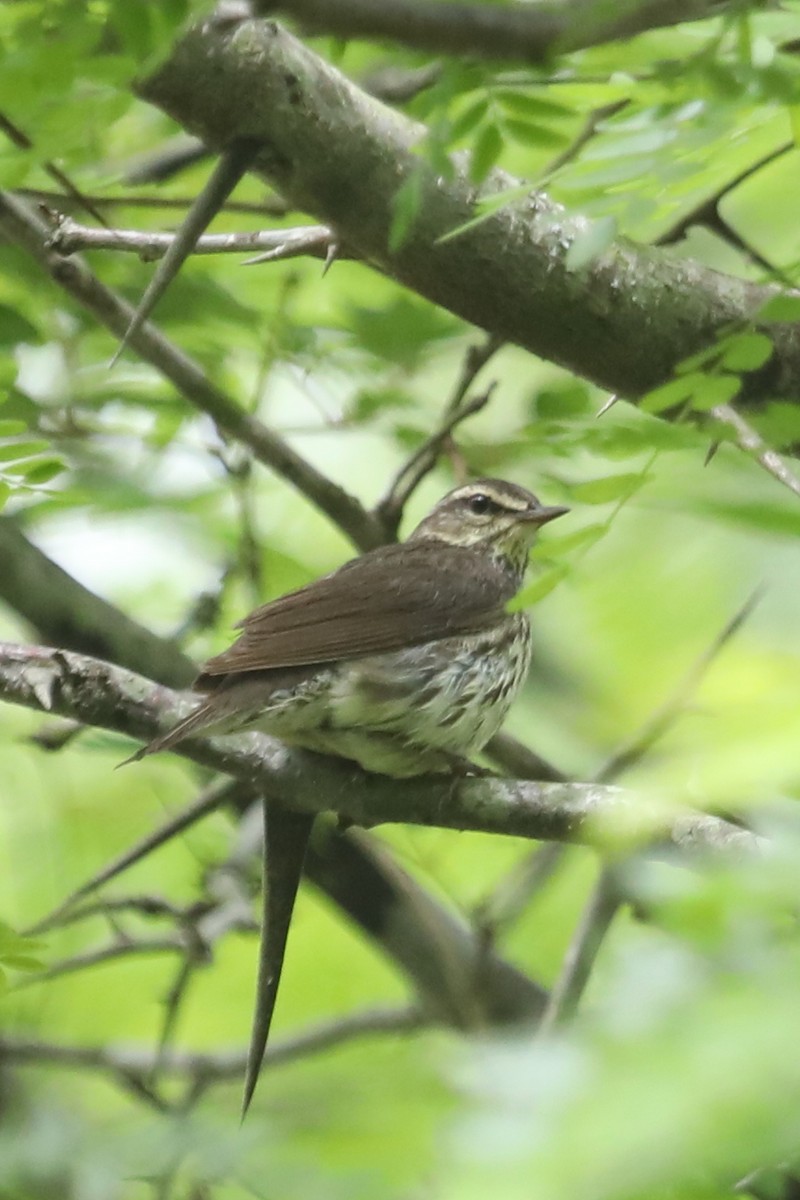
(391, 597)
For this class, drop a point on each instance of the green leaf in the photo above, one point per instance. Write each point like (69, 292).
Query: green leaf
(487, 205)
(528, 133)
(407, 200)
(523, 104)
(778, 424)
(590, 243)
(540, 588)
(780, 308)
(371, 400)
(611, 487)
(135, 27)
(401, 331)
(671, 394)
(22, 962)
(559, 545)
(16, 944)
(11, 450)
(560, 403)
(40, 471)
(485, 153)
(703, 358)
(15, 328)
(746, 351)
(468, 119)
(714, 390)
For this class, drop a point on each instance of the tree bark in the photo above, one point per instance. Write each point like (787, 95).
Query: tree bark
(624, 321)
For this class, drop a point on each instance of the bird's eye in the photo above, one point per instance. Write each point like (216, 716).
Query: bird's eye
(479, 504)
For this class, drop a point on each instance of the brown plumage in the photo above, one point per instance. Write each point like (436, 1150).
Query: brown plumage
(385, 600)
(404, 660)
(430, 596)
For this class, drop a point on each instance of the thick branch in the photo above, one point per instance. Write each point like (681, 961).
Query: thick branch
(623, 321)
(521, 32)
(68, 614)
(97, 693)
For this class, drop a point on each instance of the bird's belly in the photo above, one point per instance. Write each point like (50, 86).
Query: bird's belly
(402, 713)
(451, 695)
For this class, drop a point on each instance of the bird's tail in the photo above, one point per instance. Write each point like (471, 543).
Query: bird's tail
(202, 717)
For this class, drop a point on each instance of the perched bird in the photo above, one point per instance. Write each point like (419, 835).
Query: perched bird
(404, 660)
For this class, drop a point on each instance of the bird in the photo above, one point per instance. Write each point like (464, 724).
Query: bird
(404, 660)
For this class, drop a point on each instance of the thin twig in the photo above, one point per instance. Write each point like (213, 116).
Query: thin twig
(579, 960)
(27, 229)
(423, 460)
(71, 237)
(148, 906)
(584, 135)
(212, 798)
(512, 896)
(127, 1064)
(607, 896)
(752, 442)
(63, 202)
(199, 929)
(527, 878)
(23, 142)
(231, 166)
(660, 721)
(123, 948)
(519, 761)
(312, 241)
(172, 1005)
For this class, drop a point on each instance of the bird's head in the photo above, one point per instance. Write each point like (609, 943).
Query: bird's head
(490, 514)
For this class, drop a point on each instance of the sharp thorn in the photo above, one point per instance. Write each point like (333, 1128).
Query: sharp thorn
(286, 836)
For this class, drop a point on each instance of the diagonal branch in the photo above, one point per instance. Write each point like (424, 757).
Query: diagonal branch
(604, 904)
(64, 612)
(229, 169)
(749, 440)
(423, 460)
(26, 229)
(623, 321)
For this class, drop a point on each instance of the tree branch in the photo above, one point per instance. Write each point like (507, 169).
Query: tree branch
(601, 908)
(132, 1066)
(66, 613)
(313, 241)
(26, 229)
(623, 321)
(429, 943)
(62, 202)
(228, 170)
(521, 32)
(99, 694)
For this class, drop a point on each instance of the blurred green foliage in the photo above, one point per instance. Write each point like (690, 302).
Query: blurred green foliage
(680, 1077)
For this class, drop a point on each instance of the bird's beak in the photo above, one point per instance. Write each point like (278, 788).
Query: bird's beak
(543, 514)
